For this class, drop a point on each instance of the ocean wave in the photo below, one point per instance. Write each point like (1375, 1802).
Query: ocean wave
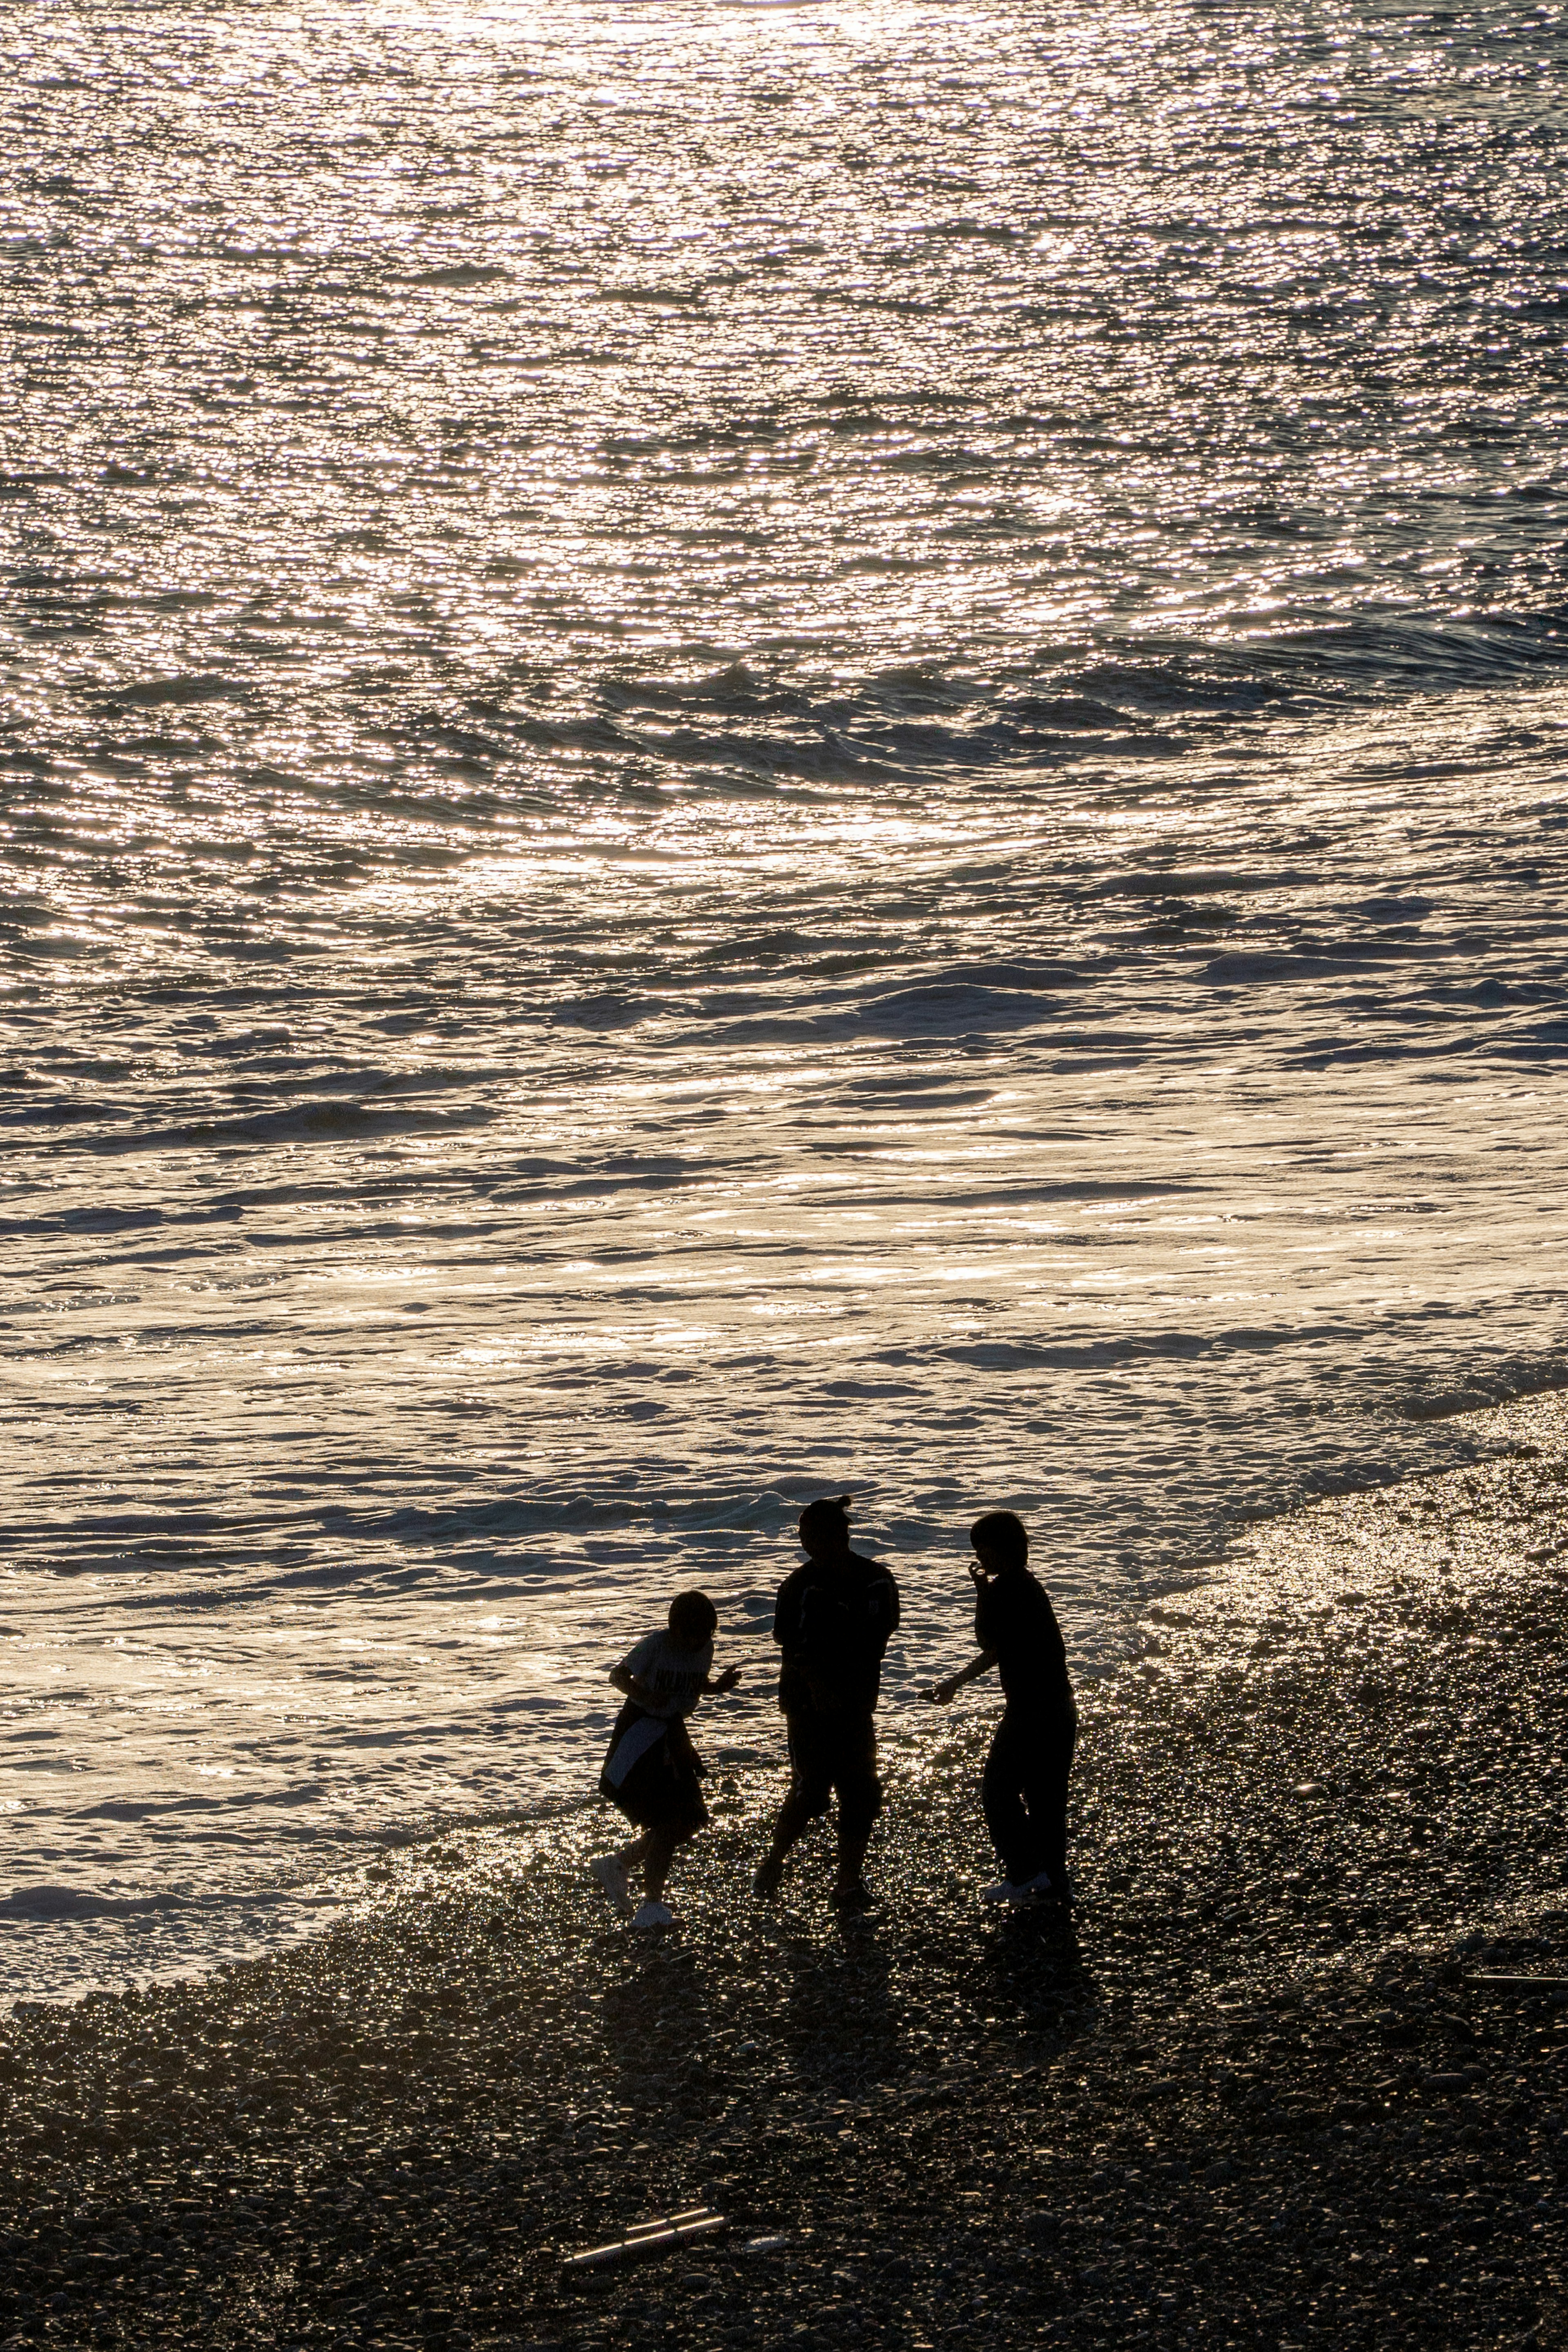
(82, 1903)
(748, 1513)
(1132, 695)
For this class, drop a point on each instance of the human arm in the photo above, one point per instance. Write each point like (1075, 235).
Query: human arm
(943, 1694)
(720, 1683)
(624, 1680)
(634, 1675)
(786, 1611)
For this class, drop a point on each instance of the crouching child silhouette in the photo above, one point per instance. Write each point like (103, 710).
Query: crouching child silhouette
(1025, 1788)
(652, 1771)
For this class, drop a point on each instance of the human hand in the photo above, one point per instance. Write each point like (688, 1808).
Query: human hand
(941, 1694)
(728, 1679)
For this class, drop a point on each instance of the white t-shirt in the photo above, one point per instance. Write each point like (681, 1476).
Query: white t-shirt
(672, 1675)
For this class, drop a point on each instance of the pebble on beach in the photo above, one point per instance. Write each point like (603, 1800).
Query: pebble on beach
(1292, 2071)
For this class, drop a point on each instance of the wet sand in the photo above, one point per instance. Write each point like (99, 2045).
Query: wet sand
(1255, 2091)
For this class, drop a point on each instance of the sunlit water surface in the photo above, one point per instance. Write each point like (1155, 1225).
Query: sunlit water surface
(747, 750)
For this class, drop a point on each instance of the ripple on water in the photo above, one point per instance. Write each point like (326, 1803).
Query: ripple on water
(750, 751)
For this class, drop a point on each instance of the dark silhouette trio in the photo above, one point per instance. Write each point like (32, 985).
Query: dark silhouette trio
(832, 1620)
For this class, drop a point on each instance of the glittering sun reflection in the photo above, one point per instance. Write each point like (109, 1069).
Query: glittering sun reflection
(749, 747)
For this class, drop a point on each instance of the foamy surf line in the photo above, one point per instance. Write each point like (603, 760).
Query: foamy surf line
(1348, 1576)
(1321, 1884)
(1249, 1608)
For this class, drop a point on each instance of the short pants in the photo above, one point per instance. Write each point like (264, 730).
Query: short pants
(833, 1749)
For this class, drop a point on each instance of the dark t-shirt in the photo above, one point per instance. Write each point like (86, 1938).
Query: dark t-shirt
(1014, 1617)
(833, 1624)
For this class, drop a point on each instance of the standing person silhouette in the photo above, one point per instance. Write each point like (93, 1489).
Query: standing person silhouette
(833, 1621)
(1025, 1788)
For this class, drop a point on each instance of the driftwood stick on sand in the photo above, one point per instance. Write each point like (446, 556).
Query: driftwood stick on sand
(650, 2238)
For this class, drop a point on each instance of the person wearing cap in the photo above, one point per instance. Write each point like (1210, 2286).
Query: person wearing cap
(833, 1621)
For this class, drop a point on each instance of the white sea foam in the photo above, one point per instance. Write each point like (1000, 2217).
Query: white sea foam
(738, 768)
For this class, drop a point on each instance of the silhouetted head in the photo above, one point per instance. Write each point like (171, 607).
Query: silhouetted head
(1002, 1539)
(825, 1527)
(692, 1618)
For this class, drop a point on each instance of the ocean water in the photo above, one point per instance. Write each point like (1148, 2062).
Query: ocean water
(747, 750)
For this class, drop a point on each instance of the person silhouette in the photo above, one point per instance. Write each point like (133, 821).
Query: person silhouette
(1025, 1786)
(652, 1773)
(832, 1620)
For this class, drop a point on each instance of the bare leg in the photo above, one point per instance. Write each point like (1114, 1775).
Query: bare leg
(795, 1815)
(658, 1853)
(859, 1802)
(852, 1844)
(629, 1856)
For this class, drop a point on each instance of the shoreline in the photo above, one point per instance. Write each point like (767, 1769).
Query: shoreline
(397, 1852)
(1248, 2092)
(68, 1940)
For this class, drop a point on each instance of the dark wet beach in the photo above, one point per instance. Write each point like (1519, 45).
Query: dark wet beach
(1254, 2093)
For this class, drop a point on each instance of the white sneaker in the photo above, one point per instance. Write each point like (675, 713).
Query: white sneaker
(1006, 1890)
(653, 1915)
(610, 1872)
